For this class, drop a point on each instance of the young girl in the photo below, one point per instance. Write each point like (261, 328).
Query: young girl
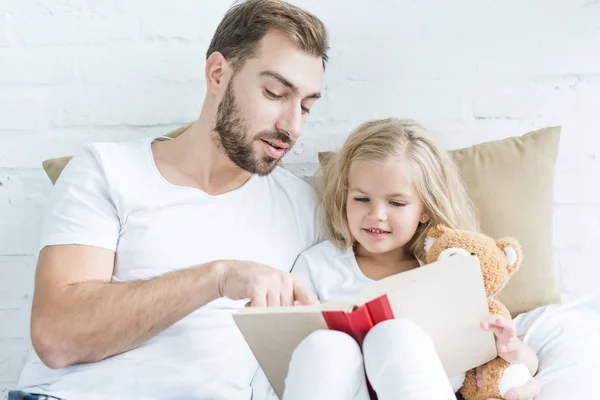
(381, 194)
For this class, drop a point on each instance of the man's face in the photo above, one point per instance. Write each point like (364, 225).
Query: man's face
(263, 109)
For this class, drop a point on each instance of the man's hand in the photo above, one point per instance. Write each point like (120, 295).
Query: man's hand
(514, 351)
(263, 285)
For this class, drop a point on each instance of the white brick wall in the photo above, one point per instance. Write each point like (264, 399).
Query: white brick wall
(72, 71)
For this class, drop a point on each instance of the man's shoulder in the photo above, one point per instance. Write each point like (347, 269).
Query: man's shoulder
(285, 176)
(112, 159)
(118, 151)
(284, 181)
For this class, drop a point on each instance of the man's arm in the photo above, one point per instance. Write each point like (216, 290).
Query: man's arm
(79, 316)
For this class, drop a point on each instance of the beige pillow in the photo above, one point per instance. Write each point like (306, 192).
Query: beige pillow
(511, 182)
(55, 166)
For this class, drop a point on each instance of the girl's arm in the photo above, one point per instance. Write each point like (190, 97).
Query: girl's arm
(509, 346)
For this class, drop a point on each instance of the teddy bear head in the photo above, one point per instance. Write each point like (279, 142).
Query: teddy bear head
(498, 259)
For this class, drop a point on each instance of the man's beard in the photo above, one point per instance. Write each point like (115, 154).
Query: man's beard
(232, 138)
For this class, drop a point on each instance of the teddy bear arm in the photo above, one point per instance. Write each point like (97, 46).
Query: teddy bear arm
(498, 376)
(492, 375)
(497, 308)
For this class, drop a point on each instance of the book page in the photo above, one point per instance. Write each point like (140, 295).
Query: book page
(447, 299)
(273, 333)
(296, 309)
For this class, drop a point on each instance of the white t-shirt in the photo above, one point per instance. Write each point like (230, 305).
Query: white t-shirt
(111, 195)
(331, 273)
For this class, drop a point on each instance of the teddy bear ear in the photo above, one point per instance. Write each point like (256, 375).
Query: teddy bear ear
(437, 231)
(513, 252)
(433, 234)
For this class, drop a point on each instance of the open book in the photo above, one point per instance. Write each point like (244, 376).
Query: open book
(446, 298)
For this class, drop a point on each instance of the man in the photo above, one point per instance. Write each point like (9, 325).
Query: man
(149, 245)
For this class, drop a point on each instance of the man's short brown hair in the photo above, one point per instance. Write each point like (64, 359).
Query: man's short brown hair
(247, 22)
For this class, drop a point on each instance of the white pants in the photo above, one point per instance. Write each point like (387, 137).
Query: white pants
(398, 356)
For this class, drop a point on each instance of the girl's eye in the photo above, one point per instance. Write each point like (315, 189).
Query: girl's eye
(271, 94)
(361, 199)
(397, 204)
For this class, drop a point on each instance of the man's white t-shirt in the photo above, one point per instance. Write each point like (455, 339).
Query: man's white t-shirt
(111, 195)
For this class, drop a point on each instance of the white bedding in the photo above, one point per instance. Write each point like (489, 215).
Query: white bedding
(566, 338)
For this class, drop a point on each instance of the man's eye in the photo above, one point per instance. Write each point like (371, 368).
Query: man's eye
(271, 94)
(305, 110)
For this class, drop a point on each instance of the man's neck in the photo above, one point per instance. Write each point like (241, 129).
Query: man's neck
(194, 159)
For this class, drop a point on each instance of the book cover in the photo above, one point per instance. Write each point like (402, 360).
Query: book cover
(446, 298)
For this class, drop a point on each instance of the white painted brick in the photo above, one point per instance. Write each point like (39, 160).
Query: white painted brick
(305, 171)
(579, 272)
(183, 23)
(42, 8)
(23, 197)
(13, 353)
(434, 58)
(568, 53)
(141, 62)
(577, 183)
(374, 20)
(524, 98)
(4, 30)
(588, 100)
(20, 113)
(19, 65)
(486, 18)
(142, 105)
(16, 285)
(576, 227)
(15, 324)
(580, 138)
(404, 100)
(188, 19)
(20, 150)
(76, 29)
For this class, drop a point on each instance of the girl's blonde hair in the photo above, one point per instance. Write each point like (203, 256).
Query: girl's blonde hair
(435, 175)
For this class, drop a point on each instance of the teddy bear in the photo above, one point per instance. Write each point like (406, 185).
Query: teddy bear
(499, 260)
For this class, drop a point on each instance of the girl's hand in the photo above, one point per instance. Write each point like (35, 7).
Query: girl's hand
(525, 392)
(514, 351)
(508, 345)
